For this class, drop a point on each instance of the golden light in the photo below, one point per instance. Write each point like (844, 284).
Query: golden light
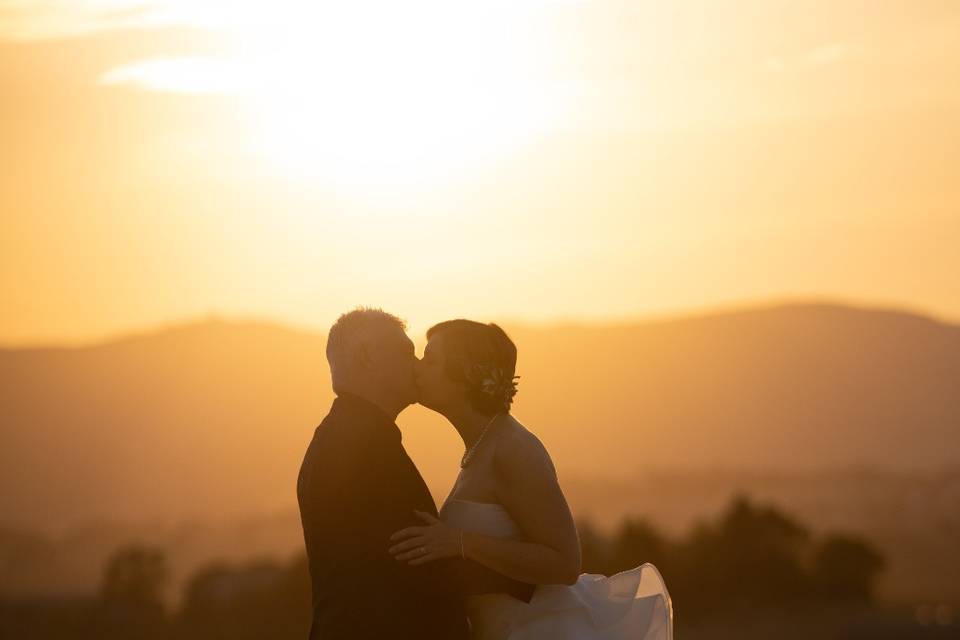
(405, 98)
(381, 92)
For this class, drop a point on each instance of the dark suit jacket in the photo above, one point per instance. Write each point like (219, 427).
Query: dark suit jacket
(357, 486)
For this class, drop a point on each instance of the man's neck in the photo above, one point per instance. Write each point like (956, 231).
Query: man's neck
(389, 408)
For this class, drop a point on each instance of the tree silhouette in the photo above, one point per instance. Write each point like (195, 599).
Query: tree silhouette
(594, 549)
(637, 541)
(845, 568)
(135, 575)
(132, 592)
(752, 556)
(258, 600)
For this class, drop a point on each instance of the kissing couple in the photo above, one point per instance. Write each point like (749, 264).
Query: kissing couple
(501, 558)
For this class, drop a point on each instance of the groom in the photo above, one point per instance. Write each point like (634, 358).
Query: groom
(357, 486)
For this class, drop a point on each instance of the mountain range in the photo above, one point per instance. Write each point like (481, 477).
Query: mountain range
(210, 419)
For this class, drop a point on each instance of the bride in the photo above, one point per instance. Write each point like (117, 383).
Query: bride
(506, 510)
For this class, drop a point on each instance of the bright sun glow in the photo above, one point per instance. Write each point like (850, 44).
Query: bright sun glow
(381, 91)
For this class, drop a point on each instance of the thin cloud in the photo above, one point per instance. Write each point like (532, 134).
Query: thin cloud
(194, 75)
(53, 19)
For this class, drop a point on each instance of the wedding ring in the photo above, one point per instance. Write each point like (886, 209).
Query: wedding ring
(423, 551)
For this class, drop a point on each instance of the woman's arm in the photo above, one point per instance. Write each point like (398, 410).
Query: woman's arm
(527, 487)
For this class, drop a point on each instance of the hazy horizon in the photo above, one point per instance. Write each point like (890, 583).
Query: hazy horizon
(843, 416)
(783, 387)
(417, 330)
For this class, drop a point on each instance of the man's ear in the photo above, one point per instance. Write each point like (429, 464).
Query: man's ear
(364, 358)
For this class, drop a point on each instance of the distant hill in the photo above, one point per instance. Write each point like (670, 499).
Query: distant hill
(790, 387)
(210, 420)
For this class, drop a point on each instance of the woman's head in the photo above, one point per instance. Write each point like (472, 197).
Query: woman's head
(467, 362)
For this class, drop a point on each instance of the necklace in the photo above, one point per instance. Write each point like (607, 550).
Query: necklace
(468, 454)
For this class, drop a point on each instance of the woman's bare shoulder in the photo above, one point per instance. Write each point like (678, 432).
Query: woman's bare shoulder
(519, 449)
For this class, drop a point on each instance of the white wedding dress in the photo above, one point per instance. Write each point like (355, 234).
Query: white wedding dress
(632, 605)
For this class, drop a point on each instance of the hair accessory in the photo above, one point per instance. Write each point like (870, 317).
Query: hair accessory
(494, 382)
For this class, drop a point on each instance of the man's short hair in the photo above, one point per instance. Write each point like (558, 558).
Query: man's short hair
(353, 329)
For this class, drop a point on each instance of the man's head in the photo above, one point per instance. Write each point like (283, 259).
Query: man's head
(371, 356)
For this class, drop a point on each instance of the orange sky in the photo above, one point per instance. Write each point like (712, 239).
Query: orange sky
(528, 160)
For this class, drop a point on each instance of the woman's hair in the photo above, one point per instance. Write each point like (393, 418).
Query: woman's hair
(482, 357)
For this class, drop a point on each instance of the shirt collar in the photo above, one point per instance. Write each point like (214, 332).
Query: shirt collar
(359, 408)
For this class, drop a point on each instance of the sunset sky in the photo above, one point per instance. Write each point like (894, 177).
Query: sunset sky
(527, 160)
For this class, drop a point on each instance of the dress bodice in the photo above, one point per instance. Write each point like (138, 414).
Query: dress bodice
(486, 518)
